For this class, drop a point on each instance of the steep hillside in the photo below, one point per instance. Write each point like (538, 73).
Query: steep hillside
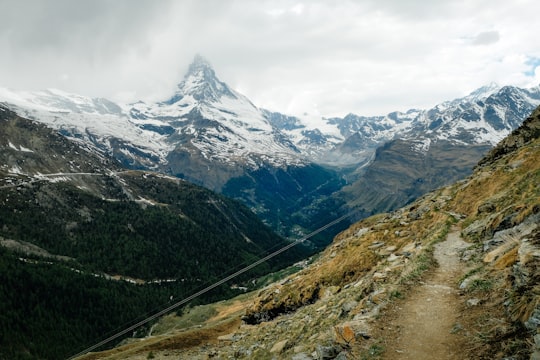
(351, 301)
(78, 232)
(403, 170)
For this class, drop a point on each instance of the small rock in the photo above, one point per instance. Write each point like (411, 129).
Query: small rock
(456, 216)
(228, 337)
(395, 266)
(393, 257)
(279, 346)
(473, 302)
(371, 314)
(379, 276)
(465, 283)
(331, 290)
(468, 255)
(409, 248)
(537, 341)
(327, 352)
(362, 232)
(376, 245)
(348, 306)
(533, 322)
(487, 208)
(302, 356)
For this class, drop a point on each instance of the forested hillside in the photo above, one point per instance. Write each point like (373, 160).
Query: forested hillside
(87, 247)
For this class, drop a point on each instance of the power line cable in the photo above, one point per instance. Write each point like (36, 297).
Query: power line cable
(211, 287)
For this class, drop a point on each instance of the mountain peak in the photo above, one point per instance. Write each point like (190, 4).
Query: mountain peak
(201, 83)
(200, 65)
(483, 92)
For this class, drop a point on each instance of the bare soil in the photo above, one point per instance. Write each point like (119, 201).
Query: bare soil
(426, 324)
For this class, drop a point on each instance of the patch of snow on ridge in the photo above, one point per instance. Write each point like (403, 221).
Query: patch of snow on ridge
(84, 118)
(421, 146)
(15, 169)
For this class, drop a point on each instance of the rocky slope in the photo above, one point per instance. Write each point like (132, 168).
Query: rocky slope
(339, 306)
(403, 170)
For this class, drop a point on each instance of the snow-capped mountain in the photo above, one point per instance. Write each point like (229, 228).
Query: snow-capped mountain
(212, 135)
(206, 133)
(223, 125)
(97, 123)
(207, 119)
(485, 116)
(204, 117)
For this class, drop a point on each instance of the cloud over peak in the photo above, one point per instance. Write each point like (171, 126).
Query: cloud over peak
(367, 57)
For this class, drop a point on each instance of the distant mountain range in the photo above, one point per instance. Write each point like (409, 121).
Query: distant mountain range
(292, 171)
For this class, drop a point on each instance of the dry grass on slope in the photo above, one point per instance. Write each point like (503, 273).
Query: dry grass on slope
(358, 252)
(502, 201)
(501, 195)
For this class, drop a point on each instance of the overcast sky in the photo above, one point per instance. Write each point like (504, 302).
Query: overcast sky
(369, 57)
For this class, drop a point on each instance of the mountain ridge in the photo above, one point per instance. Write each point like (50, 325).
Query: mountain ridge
(201, 90)
(211, 135)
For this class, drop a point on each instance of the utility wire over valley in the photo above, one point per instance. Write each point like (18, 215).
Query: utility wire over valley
(211, 287)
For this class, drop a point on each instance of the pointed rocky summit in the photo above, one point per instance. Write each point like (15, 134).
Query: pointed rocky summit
(201, 83)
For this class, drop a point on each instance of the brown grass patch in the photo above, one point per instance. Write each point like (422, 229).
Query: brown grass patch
(175, 341)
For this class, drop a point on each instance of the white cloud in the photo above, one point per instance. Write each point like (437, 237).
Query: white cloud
(485, 38)
(367, 57)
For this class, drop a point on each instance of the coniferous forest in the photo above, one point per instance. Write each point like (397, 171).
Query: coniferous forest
(64, 298)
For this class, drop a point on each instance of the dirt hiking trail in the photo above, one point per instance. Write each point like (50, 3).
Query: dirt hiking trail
(424, 324)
